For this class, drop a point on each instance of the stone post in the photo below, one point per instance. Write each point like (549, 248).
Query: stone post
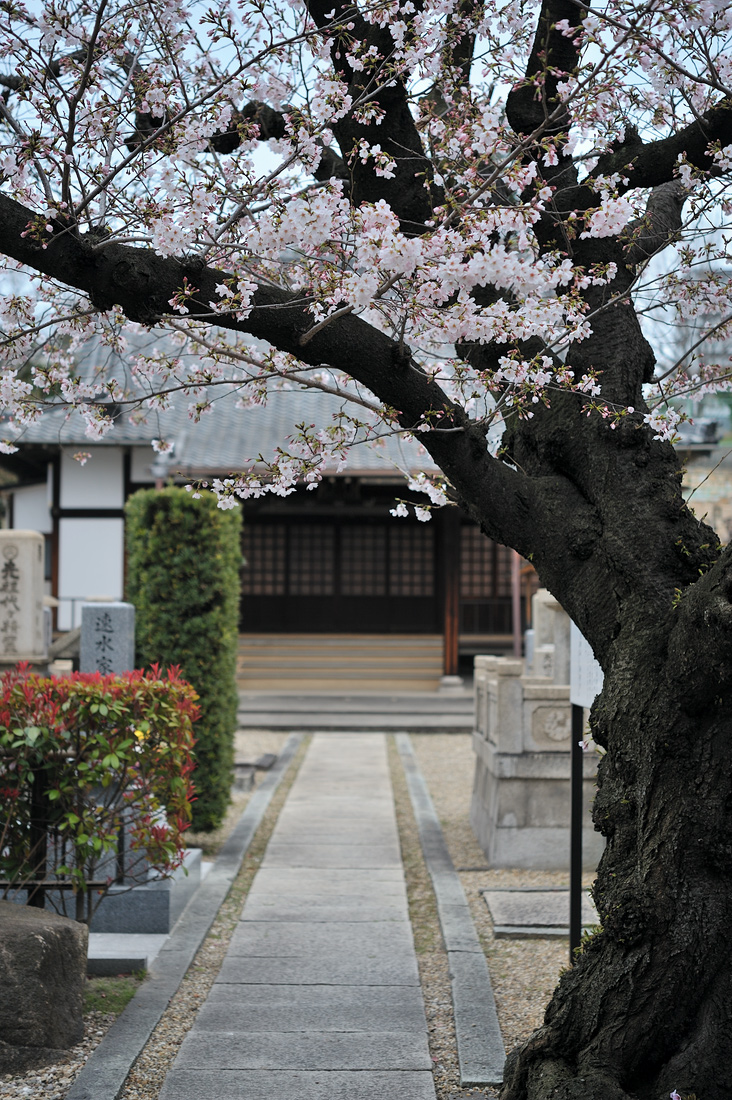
(107, 637)
(549, 654)
(22, 633)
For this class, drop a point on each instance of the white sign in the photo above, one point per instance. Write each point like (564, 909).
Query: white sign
(585, 674)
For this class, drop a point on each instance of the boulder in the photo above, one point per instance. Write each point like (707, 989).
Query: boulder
(42, 978)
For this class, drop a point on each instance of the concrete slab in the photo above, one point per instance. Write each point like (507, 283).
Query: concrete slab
(350, 907)
(338, 969)
(310, 938)
(362, 806)
(338, 881)
(333, 855)
(458, 931)
(335, 831)
(284, 1017)
(188, 1084)
(317, 997)
(531, 913)
(481, 1054)
(362, 1050)
(121, 953)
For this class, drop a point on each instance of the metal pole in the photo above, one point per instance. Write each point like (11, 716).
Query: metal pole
(516, 602)
(575, 833)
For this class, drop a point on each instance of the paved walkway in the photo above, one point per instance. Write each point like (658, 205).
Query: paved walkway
(319, 997)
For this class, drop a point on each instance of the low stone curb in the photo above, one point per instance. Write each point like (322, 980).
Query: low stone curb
(106, 1071)
(481, 1054)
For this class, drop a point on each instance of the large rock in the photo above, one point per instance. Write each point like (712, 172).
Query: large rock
(42, 978)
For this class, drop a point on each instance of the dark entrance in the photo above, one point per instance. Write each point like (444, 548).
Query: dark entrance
(351, 576)
(335, 561)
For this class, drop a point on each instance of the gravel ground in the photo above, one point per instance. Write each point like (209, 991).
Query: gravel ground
(523, 972)
(51, 1082)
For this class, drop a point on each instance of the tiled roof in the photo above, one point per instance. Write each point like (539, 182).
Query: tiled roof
(229, 438)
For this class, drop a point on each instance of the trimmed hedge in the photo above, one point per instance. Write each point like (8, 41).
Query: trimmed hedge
(183, 559)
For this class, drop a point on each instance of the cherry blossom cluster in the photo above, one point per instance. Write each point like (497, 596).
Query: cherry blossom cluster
(205, 135)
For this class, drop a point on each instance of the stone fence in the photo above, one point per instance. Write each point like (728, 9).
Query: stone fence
(520, 808)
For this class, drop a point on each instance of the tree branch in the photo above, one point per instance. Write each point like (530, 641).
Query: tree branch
(53, 68)
(508, 505)
(654, 163)
(411, 193)
(659, 226)
(270, 124)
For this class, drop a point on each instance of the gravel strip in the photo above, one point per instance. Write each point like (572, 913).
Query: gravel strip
(53, 1082)
(523, 973)
(480, 1050)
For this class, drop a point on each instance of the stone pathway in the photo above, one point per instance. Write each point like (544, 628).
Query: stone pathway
(319, 997)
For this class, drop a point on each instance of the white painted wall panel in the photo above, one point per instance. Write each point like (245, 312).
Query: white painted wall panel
(98, 484)
(91, 563)
(31, 511)
(142, 460)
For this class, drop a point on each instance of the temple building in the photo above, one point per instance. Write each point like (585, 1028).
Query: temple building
(332, 561)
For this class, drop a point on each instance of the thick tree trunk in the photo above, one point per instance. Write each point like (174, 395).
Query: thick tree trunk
(648, 1006)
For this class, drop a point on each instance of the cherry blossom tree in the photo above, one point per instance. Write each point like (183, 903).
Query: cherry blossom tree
(449, 213)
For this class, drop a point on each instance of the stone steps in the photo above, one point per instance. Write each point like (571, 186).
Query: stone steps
(339, 662)
(388, 710)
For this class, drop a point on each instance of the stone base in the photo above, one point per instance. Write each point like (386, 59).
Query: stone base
(450, 685)
(38, 663)
(520, 809)
(152, 908)
(534, 849)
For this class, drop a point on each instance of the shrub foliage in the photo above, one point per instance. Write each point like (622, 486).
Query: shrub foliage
(183, 578)
(95, 781)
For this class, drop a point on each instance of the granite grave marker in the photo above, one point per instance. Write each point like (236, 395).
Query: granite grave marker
(107, 637)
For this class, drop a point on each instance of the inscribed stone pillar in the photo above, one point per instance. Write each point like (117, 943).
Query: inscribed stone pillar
(550, 650)
(107, 637)
(22, 635)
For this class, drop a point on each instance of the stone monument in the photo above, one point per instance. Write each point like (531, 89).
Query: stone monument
(22, 625)
(42, 975)
(520, 809)
(107, 637)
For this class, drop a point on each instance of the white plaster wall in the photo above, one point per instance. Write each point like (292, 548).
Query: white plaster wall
(91, 563)
(98, 484)
(142, 460)
(31, 509)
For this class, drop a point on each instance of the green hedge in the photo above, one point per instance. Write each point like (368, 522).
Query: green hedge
(183, 559)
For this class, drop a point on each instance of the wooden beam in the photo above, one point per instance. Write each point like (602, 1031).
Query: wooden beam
(450, 567)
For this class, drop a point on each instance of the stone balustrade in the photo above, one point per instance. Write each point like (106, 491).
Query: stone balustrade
(520, 808)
